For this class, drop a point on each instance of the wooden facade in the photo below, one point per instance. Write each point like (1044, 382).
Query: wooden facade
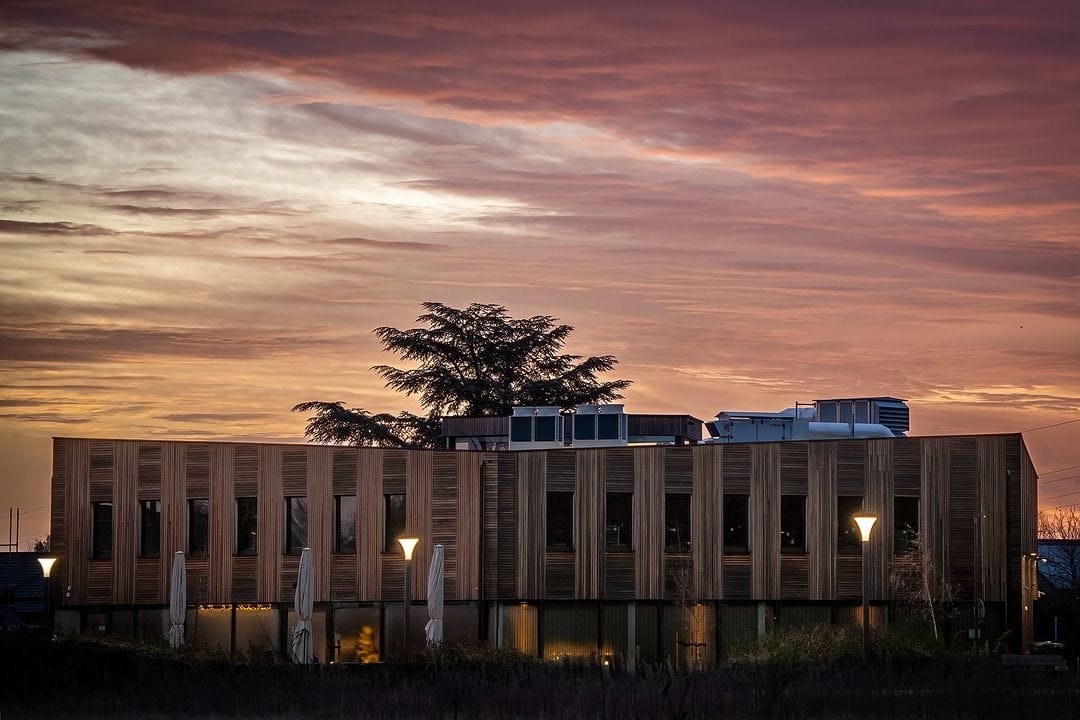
(976, 499)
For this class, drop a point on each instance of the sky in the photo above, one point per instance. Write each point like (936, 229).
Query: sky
(205, 208)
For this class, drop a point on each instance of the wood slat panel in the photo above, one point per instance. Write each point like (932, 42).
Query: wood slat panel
(148, 581)
(561, 474)
(418, 517)
(736, 577)
(444, 516)
(393, 471)
(246, 470)
(793, 468)
(173, 509)
(222, 521)
(294, 472)
(706, 523)
(878, 501)
(765, 520)
(127, 466)
(821, 521)
(198, 580)
(197, 470)
(77, 499)
(589, 508)
(58, 524)
(559, 575)
(244, 583)
(963, 484)
(678, 469)
(505, 547)
(619, 576)
(470, 468)
(319, 482)
(934, 503)
(907, 466)
(678, 579)
(290, 569)
(149, 475)
(343, 577)
(99, 582)
(848, 577)
(370, 522)
(648, 523)
(851, 467)
(271, 524)
(491, 472)
(392, 582)
(531, 525)
(737, 469)
(619, 470)
(101, 470)
(992, 499)
(793, 577)
(345, 472)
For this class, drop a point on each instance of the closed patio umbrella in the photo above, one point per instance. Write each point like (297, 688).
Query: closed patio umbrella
(177, 600)
(305, 591)
(434, 626)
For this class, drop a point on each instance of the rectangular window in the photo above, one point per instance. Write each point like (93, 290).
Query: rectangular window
(150, 528)
(295, 525)
(847, 532)
(677, 522)
(521, 429)
(905, 523)
(345, 524)
(247, 525)
(394, 520)
(620, 511)
(101, 546)
(584, 427)
(198, 514)
(792, 523)
(560, 521)
(736, 520)
(607, 427)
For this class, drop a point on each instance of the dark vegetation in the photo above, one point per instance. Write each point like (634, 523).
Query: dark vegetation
(810, 673)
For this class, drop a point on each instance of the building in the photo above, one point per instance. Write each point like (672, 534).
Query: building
(640, 552)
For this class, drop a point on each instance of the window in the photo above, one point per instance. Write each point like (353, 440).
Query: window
(295, 525)
(560, 521)
(198, 519)
(736, 517)
(677, 522)
(792, 523)
(521, 428)
(620, 510)
(905, 523)
(847, 532)
(247, 525)
(150, 526)
(101, 546)
(395, 520)
(345, 524)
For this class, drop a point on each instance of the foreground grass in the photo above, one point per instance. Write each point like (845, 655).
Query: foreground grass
(87, 678)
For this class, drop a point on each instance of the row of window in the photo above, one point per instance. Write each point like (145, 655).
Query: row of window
(618, 526)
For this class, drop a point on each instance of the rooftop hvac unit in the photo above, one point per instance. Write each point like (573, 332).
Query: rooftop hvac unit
(536, 428)
(891, 412)
(599, 426)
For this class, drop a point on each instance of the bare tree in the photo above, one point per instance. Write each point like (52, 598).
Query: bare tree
(1059, 569)
(918, 584)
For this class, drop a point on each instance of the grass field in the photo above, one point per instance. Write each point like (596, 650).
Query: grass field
(101, 678)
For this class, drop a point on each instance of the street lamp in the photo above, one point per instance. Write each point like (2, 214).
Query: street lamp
(46, 562)
(866, 525)
(408, 544)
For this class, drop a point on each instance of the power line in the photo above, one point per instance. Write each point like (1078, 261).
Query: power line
(26, 512)
(1061, 469)
(1047, 427)
(1067, 477)
(1055, 497)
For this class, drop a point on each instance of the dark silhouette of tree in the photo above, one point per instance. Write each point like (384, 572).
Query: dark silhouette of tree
(1059, 572)
(472, 361)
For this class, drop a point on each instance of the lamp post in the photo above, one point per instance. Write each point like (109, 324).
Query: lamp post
(46, 562)
(408, 544)
(866, 524)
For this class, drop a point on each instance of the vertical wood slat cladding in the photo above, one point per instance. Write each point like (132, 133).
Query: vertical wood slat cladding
(963, 485)
(559, 575)
(530, 540)
(101, 470)
(198, 580)
(649, 522)
(127, 465)
(561, 470)
(992, 509)
(173, 510)
(444, 507)
(505, 547)
(678, 469)
(821, 520)
(490, 473)
(319, 481)
(58, 526)
(878, 502)
(345, 472)
(418, 469)
(370, 520)
(706, 523)
(469, 538)
(619, 576)
(934, 504)
(1025, 593)
(222, 517)
(393, 471)
(244, 581)
(794, 470)
(589, 508)
(294, 471)
(765, 520)
(793, 577)
(849, 576)
(343, 577)
(271, 524)
(150, 470)
(290, 569)
(148, 581)
(246, 471)
(197, 470)
(99, 582)
(907, 466)
(619, 470)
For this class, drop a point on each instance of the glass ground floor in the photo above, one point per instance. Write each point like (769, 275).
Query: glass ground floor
(616, 632)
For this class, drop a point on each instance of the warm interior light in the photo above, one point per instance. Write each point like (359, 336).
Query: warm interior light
(46, 564)
(407, 545)
(866, 524)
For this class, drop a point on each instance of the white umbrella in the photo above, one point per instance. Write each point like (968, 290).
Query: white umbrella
(434, 626)
(177, 600)
(305, 591)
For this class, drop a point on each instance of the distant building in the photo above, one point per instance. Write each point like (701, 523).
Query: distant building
(642, 552)
(22, 590)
